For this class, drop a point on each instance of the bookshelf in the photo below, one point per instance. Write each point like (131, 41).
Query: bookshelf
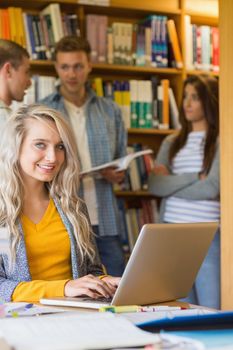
(131, 11)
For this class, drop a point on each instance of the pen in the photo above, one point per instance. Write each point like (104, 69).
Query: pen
(17, 309)
(119, 309)
(158, 308)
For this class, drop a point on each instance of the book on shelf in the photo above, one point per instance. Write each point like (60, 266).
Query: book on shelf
(133, 103)
(96, 30)
(5, 24)
(119, 164)
(95, 2)
(164, 116)
(173, 37)
(174, 111)
(125, 107)
(215, 48)
(189, 46)
(154, 86)
(55, 12)
(134, 171)
(109, 45)
(205, 47)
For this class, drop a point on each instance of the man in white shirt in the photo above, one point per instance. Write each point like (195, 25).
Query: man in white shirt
(14, 76)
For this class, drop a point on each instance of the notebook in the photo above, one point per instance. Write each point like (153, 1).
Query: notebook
(162, 267)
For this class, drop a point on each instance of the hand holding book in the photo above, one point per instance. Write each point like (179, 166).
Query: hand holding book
(112, 175)
(119, 164)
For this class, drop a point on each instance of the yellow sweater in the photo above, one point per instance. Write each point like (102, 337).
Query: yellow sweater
(49, 257)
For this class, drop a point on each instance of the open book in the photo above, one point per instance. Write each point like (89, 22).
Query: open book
(119, 163)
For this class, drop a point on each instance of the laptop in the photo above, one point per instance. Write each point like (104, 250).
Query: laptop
(162, 267)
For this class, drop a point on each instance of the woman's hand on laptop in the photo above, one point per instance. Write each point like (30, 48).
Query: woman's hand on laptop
(91, 286)
(112, 281)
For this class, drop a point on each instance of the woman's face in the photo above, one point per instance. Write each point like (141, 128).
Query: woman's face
(192, 105)
(42, 151)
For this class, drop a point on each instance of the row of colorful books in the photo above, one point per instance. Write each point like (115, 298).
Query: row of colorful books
(37, 32)
(144, 103)
(202, 46)
(132, 220)
(151, 42)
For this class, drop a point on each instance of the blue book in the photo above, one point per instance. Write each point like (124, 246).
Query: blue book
(31, 36)
(215, 320)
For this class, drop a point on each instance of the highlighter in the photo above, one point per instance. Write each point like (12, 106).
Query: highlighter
(119, 309)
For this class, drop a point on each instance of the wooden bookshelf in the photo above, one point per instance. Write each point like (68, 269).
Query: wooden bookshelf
(134, 194)
(226, 151)
(196, 72)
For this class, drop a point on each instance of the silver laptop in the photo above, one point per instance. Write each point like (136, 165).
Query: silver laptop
(163, 266)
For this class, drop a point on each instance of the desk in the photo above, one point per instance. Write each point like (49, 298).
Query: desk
(78, 325)
(169, 303)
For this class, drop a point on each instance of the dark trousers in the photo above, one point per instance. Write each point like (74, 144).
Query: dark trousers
(111, 253)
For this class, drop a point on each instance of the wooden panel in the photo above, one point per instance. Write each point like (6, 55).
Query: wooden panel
(196, 72)
(226, 132)
(203, 19)
(203, 7)
(152, 5)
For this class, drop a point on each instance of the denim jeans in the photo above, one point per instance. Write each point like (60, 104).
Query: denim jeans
(111, 253)
(206, 289)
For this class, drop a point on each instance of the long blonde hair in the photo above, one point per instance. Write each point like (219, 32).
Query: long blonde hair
(63, 187)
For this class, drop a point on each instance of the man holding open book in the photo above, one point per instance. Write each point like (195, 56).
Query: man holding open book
(100, 137)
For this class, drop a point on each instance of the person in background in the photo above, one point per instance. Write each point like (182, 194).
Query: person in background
(53, 250)
(100, 136)
(186, 176)
(14, 76)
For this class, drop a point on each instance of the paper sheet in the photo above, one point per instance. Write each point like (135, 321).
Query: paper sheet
(11, 309)
(69, 332)
(141, 317)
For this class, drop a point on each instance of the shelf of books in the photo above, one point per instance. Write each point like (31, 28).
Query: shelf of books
(201, 43)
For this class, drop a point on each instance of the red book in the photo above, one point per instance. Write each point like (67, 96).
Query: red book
(215, 48)
(6, 33)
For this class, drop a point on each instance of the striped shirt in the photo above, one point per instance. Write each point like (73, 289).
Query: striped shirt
(190, 160)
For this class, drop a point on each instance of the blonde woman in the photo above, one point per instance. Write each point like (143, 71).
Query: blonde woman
(52, 246)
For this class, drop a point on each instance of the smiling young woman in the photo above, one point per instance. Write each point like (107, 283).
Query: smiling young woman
(52, 244)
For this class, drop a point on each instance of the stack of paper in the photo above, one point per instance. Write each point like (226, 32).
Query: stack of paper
(73, 331)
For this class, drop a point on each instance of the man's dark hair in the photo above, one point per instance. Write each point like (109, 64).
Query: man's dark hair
(12, 52)
(72, 43)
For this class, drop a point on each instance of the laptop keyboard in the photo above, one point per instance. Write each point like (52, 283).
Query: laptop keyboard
(101, 299)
